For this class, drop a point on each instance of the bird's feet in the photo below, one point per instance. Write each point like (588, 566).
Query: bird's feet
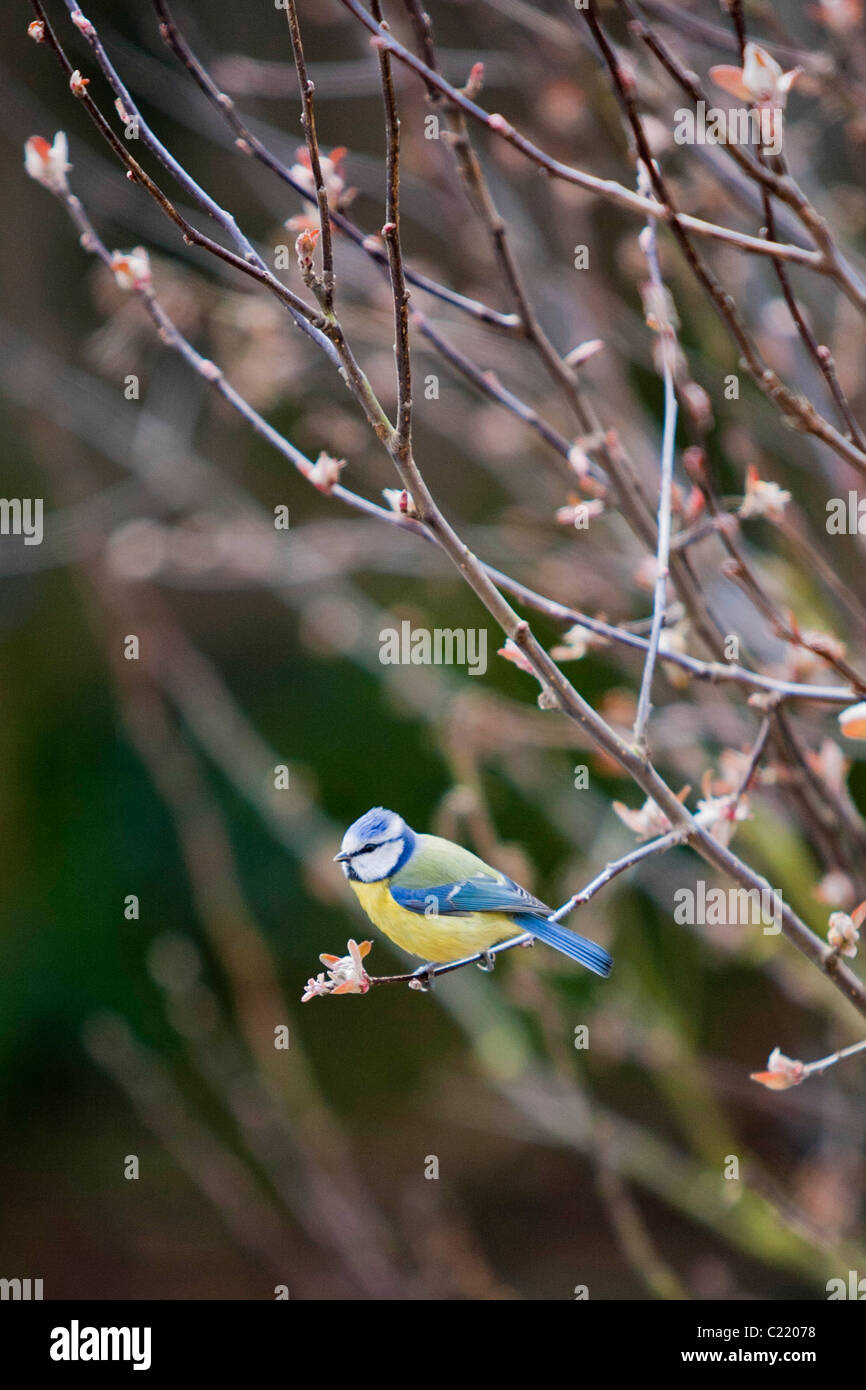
(487, 961)
(424, 978)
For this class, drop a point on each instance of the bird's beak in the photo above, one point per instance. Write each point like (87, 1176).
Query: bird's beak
(342, 858)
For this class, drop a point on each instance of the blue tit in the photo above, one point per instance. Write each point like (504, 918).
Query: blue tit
(439, 901)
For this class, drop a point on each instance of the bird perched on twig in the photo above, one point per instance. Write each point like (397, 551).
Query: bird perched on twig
(439, 901)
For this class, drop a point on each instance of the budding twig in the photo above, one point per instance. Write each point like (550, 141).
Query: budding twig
(607, 188)
(308, 121)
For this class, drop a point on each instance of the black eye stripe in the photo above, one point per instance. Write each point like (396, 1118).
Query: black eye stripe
(368, 849)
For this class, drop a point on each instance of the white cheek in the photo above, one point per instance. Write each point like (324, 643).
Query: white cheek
(379, 864)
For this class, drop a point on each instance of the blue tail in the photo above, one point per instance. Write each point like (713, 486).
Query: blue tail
(588, 953)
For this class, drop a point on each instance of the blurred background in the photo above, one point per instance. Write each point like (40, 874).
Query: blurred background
(148, 1030)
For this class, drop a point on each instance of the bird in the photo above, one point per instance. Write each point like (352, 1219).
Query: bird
(439, 901)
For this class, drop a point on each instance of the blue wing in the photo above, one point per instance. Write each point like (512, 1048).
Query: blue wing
(468, 895)
(502, 895)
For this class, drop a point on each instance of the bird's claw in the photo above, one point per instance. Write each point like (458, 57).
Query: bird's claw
(487, 961)
(424, 978)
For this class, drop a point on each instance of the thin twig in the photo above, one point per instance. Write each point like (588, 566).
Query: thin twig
(391, 237)
(815, 1068)
(308, 121)
(667, 350)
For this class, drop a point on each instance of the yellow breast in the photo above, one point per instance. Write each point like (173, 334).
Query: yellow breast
(432, 938)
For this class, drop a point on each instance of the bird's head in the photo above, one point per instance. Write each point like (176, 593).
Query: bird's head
(376, 846)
